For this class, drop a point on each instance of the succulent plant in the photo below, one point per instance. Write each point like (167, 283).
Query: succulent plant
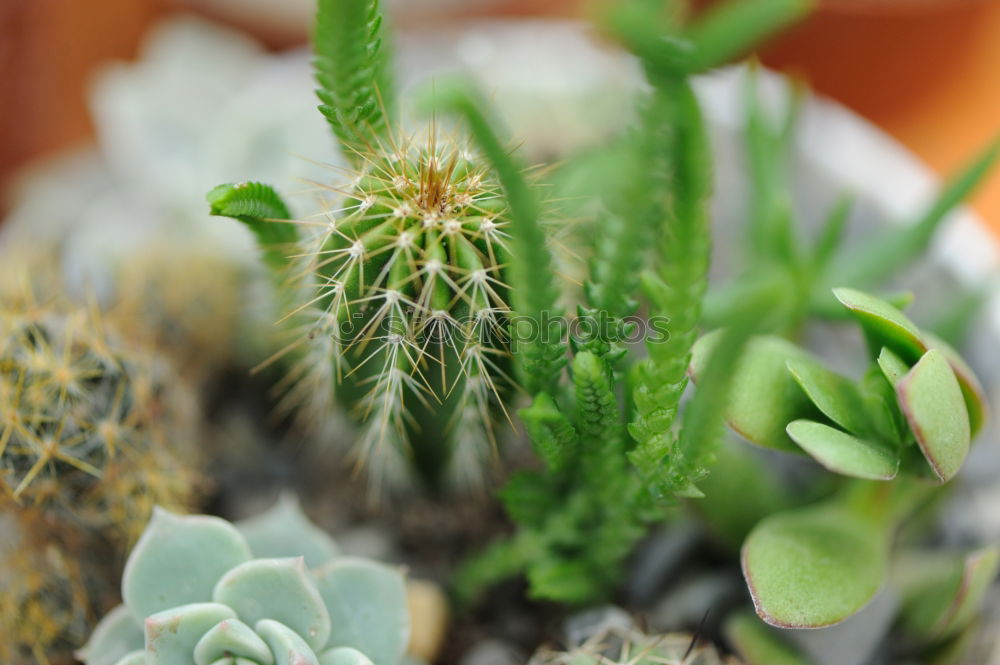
(194, 592)
(914, 413)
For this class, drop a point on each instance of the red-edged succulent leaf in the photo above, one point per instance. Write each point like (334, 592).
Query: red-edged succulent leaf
(932, 401)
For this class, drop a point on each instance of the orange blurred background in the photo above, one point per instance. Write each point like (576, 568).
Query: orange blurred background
(927, 71)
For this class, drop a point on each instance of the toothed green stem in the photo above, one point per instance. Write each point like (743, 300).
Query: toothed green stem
(353, 72)
(675, 291)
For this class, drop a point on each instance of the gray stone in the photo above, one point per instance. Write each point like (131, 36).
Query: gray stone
(492, 652)
(659, 559)
(582, 626)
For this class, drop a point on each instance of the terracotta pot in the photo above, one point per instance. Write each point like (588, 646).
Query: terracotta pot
(876, 55)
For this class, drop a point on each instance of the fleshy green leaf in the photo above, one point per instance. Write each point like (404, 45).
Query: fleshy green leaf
(288, 647)
(814, 566)
(171, 635)
(764, 396)
(367, 605)
(758, 644)
(278, 589)
(343, 656)
(115, 636)
(284, 531)
(178, 561)
(844, 454)
(972, 390)
(932, 401)
(232, 638)
(884, 325)
(942, 594)
(836, 396)
(892, 366)
(136, 658)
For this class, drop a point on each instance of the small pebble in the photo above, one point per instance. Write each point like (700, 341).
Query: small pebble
(429, 617)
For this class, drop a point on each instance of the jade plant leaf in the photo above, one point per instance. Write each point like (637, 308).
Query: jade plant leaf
(278, 589)
(764, 396)
(171, 635)
(814, 566)
(115, 636)
(942, 594)
(367, 605)
(972, 390)
(758, 644)
(882, 406)
(884, 325)
(178, 560)
(284, 531)
(932, 401)
(232, 639)
(836, 396)
(843, 453)
(892, 366)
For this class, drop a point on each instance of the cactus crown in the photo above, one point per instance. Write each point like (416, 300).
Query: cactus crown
(417, 253)
(194, 593)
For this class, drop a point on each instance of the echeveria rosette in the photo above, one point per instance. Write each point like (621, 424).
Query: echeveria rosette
(195, 594)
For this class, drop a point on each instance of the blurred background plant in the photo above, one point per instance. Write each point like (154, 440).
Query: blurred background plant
(95, 433)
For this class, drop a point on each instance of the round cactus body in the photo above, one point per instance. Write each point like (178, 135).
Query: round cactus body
(409, 303)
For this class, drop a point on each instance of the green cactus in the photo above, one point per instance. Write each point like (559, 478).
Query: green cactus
(399, 289)
(195, 593)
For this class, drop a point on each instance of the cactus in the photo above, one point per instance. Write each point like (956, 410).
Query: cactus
(402, 291)
(92, 432)
(619, 646)
(406, 307)
(47, 604)
(92, 436)
(195, 593)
